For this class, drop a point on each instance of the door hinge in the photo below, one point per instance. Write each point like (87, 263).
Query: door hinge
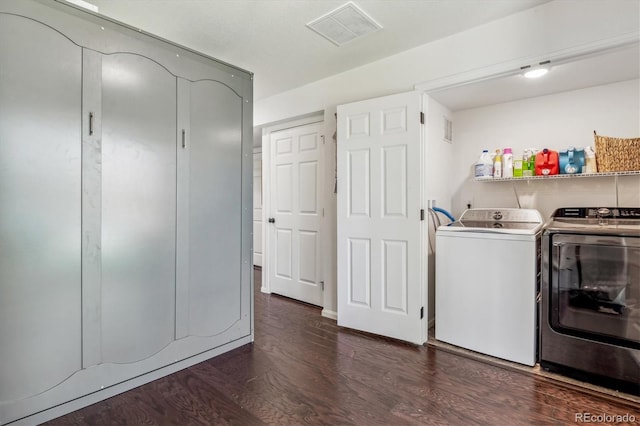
(322, 137)
(421, 117)
(421, 214)
(422, 312)
(322, 284)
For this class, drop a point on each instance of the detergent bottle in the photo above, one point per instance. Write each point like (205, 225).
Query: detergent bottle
(547, 163)
(571, 161)
(484, 166)
(590, 160)
(507, 163)
(517, 167)
(497, 165)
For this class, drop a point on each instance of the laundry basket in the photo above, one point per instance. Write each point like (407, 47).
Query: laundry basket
(617, 154)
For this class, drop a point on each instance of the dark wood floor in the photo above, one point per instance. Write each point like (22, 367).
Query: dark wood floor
(304, 369)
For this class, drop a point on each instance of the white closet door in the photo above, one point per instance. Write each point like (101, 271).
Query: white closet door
(380, 283)
(295, 213)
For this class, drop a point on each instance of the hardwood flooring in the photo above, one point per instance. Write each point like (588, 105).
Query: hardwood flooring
(304, 369)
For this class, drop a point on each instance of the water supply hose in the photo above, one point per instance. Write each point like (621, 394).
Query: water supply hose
(444, 212)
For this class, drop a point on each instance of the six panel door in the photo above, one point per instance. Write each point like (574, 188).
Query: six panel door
(297, 213)
(380, 280)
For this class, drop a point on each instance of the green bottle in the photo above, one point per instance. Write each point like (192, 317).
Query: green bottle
(517, 168)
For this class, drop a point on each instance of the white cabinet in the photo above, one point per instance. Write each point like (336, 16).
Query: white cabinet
(125, 209)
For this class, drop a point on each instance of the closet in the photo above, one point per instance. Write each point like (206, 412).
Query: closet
(125, 208)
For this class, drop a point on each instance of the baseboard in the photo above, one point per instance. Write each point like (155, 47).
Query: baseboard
(329, 314)
(264, 290)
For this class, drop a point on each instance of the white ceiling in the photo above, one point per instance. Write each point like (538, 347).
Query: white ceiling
(270, 39)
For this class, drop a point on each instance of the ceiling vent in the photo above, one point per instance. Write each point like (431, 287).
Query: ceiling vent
(344, 24)
(85, 5)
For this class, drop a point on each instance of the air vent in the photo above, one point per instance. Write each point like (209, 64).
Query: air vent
(85, 5)
(344, 24)
(447, 130)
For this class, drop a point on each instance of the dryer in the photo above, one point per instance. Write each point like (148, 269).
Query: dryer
(590, 309)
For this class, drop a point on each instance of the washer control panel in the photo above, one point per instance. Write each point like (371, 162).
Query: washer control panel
(501, 215)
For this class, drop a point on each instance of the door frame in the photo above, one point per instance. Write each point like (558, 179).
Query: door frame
(257, 220)
(313, 118)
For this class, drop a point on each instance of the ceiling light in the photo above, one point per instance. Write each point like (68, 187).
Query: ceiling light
(344, 24)
(536, 72)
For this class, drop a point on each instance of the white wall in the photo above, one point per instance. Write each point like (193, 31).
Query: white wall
(437, 180)
(550, 28)
(556, 122)
(439, 153)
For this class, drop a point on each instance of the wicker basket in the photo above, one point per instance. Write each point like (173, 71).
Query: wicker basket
(617, 154)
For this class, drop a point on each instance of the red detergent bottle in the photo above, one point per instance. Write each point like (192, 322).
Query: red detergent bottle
(547, 163)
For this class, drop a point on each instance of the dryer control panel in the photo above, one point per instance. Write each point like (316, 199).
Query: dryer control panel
(598, 212)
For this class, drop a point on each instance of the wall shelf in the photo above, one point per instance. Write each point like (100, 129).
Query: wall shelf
(573, 176)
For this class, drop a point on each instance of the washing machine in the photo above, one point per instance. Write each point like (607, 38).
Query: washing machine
(487, 282)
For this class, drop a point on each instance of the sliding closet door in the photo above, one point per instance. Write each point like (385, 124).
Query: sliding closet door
(40, 312)
(138, 207)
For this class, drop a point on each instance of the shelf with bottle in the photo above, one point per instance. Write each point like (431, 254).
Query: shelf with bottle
(558, 176)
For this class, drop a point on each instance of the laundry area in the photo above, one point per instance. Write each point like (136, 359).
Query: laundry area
(566, 293)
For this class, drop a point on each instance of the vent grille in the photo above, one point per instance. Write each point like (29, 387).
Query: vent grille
(447, 129)
(84, 4)
(344, 24)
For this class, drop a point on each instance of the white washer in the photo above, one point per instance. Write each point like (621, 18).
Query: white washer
(487, 266)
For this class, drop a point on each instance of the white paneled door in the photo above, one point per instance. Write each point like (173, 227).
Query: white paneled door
(380, 279)
(295, 213)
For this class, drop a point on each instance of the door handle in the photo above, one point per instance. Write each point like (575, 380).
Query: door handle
(272, 220)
